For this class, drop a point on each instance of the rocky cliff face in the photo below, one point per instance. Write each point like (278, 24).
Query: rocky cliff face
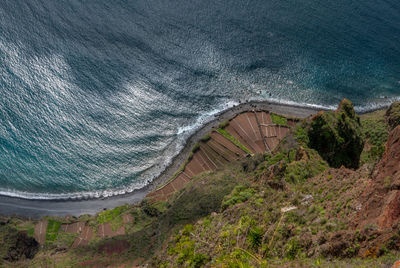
(382, 198)
(393, 115)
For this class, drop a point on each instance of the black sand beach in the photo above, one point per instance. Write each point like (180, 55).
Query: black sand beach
(40, 208)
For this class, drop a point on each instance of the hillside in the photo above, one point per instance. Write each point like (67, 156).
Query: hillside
(324, 192)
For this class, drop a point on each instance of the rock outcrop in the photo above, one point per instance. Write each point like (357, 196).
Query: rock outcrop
(393, 115)
(337, 136)
(381, 200)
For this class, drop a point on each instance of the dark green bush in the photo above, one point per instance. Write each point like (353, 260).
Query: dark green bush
(337, 136)
(255, 237)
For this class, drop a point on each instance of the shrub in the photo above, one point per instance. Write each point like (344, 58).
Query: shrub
(292, 249)
(239, 194)
(301, 135)
(196, 147)
(205, 138)
(278, 120)
(223, 124)
(199, 260)
(150, 209)
(255, 237)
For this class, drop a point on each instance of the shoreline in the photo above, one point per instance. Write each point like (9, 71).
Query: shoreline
(36, 208)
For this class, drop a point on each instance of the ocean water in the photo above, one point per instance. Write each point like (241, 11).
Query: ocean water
(96, 97)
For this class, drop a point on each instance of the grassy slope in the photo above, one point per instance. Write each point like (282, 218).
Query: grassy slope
(375, 130)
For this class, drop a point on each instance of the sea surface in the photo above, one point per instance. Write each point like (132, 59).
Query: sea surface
(96, 97)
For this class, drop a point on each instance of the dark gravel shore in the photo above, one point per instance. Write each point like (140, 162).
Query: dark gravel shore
(40, 208)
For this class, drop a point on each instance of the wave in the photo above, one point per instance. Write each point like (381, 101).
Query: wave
(183, 134)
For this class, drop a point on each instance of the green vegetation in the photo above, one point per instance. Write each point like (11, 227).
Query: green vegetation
(196, 147)
(223, 124)
(375, 131)
(278, 120)
(52, 230)
(205, 138)
(185, 250)
(255, 237)
(306, 167)
(239, 194)
(234, 140)
(337, 136)
(112, 216)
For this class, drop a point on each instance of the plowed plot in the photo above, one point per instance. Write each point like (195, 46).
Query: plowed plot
(73, 228)
(194, 166)
(105, 230)
(127, 218)
(222, 151)
(238, 136)
(115, 247)
(254, 125)
(246, 126)
(84, 238)
(291, 123)
(269, 130)
(244, 129)
(206, 159)
(227, 144)
(40, 232)
(179, 182)
(264, 118)
(282, 132)
(199, 160)
(213, 155)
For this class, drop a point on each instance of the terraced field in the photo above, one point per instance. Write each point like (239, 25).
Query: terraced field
(248, 133)
(79, 233)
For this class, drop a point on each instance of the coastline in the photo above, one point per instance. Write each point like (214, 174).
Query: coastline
(75, 207)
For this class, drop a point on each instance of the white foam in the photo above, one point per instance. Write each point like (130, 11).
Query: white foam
(205, 118)
(185, 131)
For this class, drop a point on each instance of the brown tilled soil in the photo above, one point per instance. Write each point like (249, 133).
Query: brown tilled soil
(254, 130)
(105, 230)
(217, 137)
(114, 247)
(127, 218)
(40, 231)
(73, 228)
(84, 237)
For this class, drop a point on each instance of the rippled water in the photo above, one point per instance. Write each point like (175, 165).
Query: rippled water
(96, 97)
